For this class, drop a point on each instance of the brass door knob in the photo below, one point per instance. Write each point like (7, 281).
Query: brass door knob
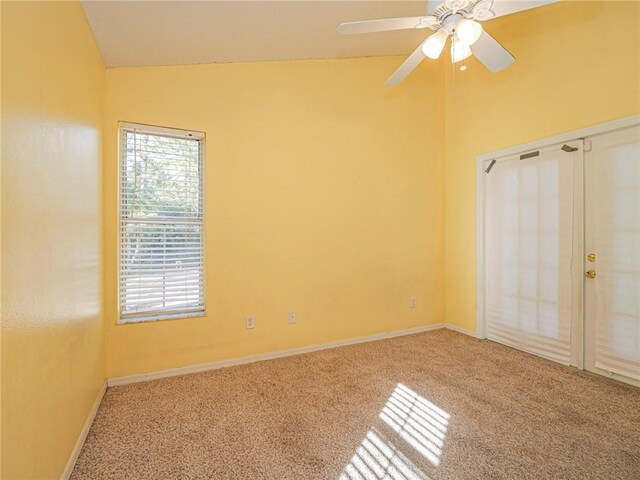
(591, 257)
(590, 274)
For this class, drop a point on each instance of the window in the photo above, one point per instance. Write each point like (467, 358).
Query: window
(161, 272)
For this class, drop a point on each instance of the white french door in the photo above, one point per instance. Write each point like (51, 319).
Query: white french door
(560, 252)
(612, 247)
(530, 236)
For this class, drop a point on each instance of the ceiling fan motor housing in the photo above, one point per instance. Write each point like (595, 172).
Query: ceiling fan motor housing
(450, 21)
(467, 8)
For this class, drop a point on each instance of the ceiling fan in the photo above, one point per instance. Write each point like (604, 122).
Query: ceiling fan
(458, 19)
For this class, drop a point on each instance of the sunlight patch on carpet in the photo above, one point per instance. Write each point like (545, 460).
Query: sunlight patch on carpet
(417, 421)
(378, 459)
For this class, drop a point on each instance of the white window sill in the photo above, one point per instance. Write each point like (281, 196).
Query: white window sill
(158, 318)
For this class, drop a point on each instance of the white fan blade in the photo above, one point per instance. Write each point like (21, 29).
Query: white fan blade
(493, 55)
(501, 8)
(382, 25)
(407, 67)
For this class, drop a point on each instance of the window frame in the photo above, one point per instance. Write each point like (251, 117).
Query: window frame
(167, 132)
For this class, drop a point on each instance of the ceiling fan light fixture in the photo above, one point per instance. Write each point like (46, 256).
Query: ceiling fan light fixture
(433, 46)
(459, 51)
(468, 31)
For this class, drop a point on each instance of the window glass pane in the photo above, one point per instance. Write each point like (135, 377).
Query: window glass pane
(161, 176)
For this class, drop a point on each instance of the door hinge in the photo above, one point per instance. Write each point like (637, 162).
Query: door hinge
(587, 146)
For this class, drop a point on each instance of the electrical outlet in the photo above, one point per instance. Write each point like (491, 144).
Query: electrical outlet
(414, 302)
(293, 317)
(249, 322)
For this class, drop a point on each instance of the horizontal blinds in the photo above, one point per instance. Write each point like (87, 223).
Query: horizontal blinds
(161, 224)
(529, 238)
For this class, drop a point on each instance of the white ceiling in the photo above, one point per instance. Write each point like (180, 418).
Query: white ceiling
(142, 33)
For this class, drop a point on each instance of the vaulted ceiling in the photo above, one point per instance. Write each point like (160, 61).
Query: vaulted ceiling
(142, 33)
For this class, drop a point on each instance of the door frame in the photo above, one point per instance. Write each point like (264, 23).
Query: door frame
(482, 162)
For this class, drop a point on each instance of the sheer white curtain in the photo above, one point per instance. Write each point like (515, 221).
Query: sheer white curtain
(529, 233)
(617, 243)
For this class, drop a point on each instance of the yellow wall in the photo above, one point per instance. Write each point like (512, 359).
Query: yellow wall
(324, 195)
(577, 64)
(52, 334)
(0, 245)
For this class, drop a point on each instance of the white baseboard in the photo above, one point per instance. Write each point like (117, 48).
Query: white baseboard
(203, 367)
(68, 469)
(458, 329)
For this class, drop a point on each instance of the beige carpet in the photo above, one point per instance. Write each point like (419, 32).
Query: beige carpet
(437, 405)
